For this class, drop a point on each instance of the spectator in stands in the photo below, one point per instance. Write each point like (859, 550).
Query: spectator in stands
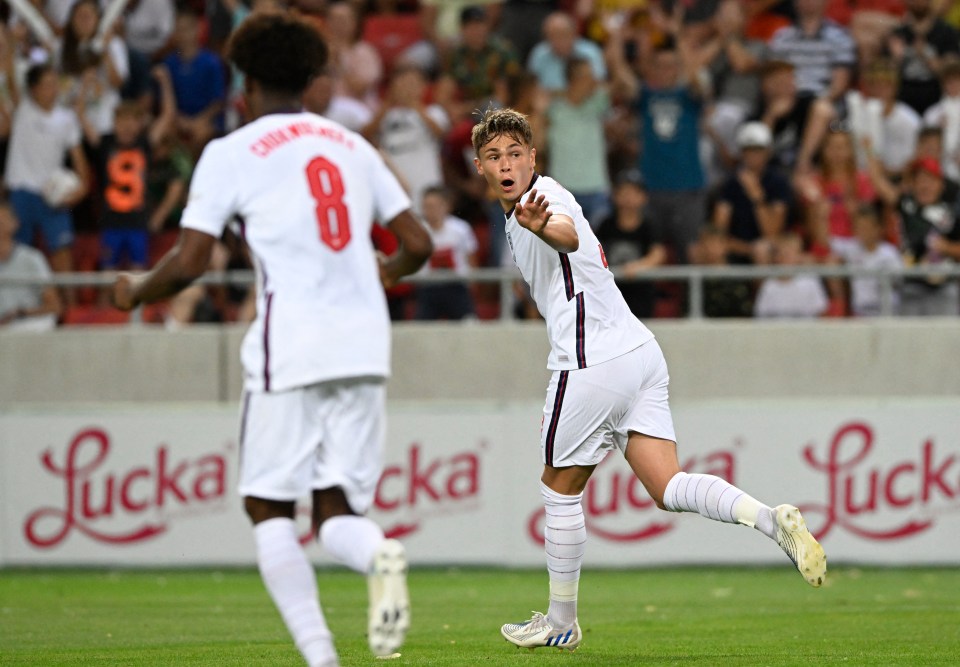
(945, 115)
(320, 98)
(167, 177)
(93, 76)
(42, 136)
(891, 126)
(356, 65)
(518, 18)
(9, 91)
(148, 26)
(32, 307)
(753, 202)
(454, 251)
(784, 112)
(868, 250)
(409, 132)
(918, 46)
(630, 244)
(669, 103)
(549, 59)
(733, 61)
(795, 296)
(123, 161)
(199, 82)
(477, 70)
(833, 193)
(441, 19)
(576, 148)
(722, 297)
(821, 51)
(929, 233)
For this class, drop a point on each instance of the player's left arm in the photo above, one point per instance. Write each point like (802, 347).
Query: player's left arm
(555, 229)
(186, 262)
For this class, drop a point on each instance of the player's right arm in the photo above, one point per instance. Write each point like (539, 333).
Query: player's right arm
(415, 249)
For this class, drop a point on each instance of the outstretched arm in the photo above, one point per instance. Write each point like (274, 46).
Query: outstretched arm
(556, 230)
(415, 249)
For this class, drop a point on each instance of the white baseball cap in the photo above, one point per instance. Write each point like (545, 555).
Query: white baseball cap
(754, 135)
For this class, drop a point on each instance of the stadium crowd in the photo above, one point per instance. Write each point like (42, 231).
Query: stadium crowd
(714, 132)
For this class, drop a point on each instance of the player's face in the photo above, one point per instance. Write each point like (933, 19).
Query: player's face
(508, 167)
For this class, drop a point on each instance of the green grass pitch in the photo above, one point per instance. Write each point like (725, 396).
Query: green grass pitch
(703, 616)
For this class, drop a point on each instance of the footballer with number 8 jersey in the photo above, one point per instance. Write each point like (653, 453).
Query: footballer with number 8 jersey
(305, 192)
(608, 389)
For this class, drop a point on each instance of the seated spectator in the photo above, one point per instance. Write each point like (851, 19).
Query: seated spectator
(630, 245)
(31, 307)
(797, 296)
(409, 132)
(42, 136)
(722, 297)
(753, 202)
(868, 250)
(549, 59)
(123, 161)
(320, 98)
(576, 148)
(199, 83)
(454, 251)
(945, 115)
(930, 235)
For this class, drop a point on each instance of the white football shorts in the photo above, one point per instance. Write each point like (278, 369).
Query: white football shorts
(589, 411)
(317, 437)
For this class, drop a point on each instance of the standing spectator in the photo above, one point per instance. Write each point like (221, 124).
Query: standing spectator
(918, 46)
(477, 70)
(797, 296)
(519, 17)
(784, 112)
(929, 234)
(409, 132)
(34, 307)
(42, 136)
(320, 98)
(753, 202)
(868, 250)
(199, 82)
(454, 250)
(167, 177)
(98, 75)
(576, 148)
(148, 26)
(548, 60)
(821, 51)
(631, 244)
(441, 19)
(669, 103)
(123, 159)
(355, 64)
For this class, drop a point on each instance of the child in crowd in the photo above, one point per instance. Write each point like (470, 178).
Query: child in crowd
(454, 251)
(797, 296)
(945, 115)
(867, 249)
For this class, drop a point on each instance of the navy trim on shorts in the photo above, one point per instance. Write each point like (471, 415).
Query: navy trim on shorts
(555, 417)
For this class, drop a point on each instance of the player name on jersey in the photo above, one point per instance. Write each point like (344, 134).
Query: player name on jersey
(276, 138)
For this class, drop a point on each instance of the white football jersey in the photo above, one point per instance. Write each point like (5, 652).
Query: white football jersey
(588, 322)
(306, 192)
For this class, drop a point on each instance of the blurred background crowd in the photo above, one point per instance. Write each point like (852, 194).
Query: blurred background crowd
(713, 132)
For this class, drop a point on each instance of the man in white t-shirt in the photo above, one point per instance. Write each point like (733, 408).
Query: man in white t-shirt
(41, 136)
(306, 192)
(609, 385)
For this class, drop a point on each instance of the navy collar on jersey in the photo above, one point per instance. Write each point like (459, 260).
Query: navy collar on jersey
(529, 188)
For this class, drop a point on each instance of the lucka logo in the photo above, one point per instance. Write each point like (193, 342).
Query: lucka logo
(93, 495)
(860, 493)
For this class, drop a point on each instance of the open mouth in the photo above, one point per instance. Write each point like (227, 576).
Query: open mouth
(508, 183)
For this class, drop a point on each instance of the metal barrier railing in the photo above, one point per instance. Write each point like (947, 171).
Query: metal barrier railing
(694, 276)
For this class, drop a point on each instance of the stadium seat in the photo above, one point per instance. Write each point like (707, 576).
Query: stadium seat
(391, 34)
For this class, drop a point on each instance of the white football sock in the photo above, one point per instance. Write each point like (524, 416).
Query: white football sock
(352, 540)
(565, 537)
(717, 499)
(291, 582)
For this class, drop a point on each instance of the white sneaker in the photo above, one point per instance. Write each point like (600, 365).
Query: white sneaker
(389, 613)
(538, 632)
(797, 542)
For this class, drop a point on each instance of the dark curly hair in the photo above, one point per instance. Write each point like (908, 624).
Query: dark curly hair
(281, 54)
